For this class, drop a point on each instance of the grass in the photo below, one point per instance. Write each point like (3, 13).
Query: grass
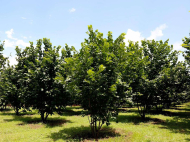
(172, 125)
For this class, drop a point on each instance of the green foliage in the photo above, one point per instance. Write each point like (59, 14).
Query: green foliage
(15, 82)
(32, 81)
(3, 101)
(101, 77)
(160, 58)
(173, 86)
(2, 58)
(44, 93)
(14, 89)
(97, 77)
(186, 45)
(2, 62)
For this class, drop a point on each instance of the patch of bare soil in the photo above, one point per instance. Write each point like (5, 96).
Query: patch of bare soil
(35, 126)
(32, 126)
(158, 121)
(182, 131)
(126, 137)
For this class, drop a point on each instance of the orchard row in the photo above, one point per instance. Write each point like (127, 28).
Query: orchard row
(102, 77)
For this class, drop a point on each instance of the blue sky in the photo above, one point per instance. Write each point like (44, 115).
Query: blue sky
(67, 21)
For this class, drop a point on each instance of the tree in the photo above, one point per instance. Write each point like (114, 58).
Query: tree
(186, 54)
(186, 45)
(3, 102)
(45, 94)
(62, 80)
(2, 58)
(15, 82)
(97, 78)
(12, 88)
(172, 85)
(160, 56)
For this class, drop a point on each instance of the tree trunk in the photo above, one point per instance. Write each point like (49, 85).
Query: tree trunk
(17, 111)
(94, 130)
(143, 115)
(43, 117)
(142, 111)
(95, 127)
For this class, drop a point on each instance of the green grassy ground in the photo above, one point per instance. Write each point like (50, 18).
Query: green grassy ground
(171, 126)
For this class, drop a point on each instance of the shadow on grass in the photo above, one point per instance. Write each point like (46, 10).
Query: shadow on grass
(21, 114)
(171, 114)
(83, 133)
(5, 110)
(70, 112)
(136, 119)
(51, 122)
(67, 112)
(177, 125)
(183, 109)
(126, 110)
(179, 122)
(179, 108)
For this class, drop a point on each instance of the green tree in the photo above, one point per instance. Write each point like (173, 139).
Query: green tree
(172, 85)
(160, 56)
(2, 58)
(186, 45)
(45, 94)
(1, 84)
(15, 81)
(62, 80)
(12, 88)
(3, 102)
(97, 78)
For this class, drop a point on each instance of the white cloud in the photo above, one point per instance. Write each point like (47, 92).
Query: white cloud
(23, 17)
(13, 42)
(136, 35)
(12, 59)
(177, 46)
(9, 34)
(22, 43)
(9, 43)
(133, 36)
(157, 32)
(72, 10)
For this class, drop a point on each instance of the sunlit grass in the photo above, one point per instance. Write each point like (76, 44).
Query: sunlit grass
(171, 126)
